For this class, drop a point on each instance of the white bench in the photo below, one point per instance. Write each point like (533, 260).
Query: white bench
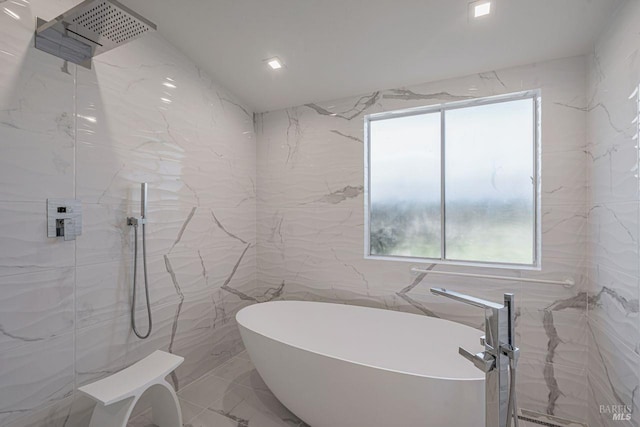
(117, 394)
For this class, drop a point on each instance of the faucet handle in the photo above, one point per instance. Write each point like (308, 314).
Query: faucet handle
(483, 340)
(69, 228)
(481, 360)
(511, 352)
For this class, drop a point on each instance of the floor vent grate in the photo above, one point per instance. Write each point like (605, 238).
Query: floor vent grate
(538, 422)
(538, 419)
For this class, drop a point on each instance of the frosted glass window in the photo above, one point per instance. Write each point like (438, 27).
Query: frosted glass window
(455, 183)
(405, 186)
(489, 188)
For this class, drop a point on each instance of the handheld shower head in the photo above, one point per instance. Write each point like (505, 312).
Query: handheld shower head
(136, 222)
(143, 200)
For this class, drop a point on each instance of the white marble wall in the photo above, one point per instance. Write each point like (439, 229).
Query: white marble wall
(69, 132)
(310, 222)
(614, 215)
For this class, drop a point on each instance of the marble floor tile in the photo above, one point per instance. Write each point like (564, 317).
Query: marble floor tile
(206, 391)
(231, 395)
(240, 370)
(189, 413)
(253, 407)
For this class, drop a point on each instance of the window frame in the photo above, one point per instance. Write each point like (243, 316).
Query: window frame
(536, 99)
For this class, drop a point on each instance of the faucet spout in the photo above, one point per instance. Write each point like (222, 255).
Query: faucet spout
(476, 302)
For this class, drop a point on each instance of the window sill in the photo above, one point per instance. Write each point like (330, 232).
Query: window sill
(489, 265)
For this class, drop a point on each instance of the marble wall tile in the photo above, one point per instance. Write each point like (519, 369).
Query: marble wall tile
(613, 373)
(177, 176)
(614, 306)
(549, 389)
(564, 177)
(104, 290)
(613, 170)
(105, 234)
(614, 75)
(55, 415)
(170, 229)
(563, 339)
(36, 306)
(69, 132)
(36, 114)
(35, 375)
(614, 236)
(564, 231)
(26, 248)
(161, 132)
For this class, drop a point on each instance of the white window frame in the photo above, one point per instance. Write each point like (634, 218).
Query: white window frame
(535, 96)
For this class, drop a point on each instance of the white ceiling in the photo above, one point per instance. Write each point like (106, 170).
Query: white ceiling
(338, 48)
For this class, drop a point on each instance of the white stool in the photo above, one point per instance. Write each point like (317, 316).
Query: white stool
(117, 394)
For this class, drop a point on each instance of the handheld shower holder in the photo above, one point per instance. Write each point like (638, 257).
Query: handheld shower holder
(136, 221)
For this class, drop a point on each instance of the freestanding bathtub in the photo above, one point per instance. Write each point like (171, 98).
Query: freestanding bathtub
(338, 365)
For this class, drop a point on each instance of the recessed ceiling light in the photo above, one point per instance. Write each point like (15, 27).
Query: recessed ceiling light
(482, 8)
(274, 63)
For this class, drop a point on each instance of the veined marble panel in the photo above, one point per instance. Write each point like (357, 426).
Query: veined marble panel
(564, 231)
(542, 296)
(614, 236)
(36, 113)
(614, 304)
(160, 119)
(564, 177)
(35, 375)
(613, 375)
(619, 41)
(613, 108)
(556, 337)
(26, 247)
(36, 306)
(613, 220)
(188, 257)
(176, 175)
(170, 229)
(614, 170)
(551, 389)
(104, 290)
(55, 415)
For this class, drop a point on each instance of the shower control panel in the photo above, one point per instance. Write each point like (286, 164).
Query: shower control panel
(64, 218)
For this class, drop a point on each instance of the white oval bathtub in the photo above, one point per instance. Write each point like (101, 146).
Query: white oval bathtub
(338, 365)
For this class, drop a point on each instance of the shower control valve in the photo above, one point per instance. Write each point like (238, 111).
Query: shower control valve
(64, 218)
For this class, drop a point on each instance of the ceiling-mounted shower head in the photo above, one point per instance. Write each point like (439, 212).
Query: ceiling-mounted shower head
(89, 29)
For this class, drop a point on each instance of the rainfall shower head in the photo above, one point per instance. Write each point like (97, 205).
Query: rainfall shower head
(89, 29)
